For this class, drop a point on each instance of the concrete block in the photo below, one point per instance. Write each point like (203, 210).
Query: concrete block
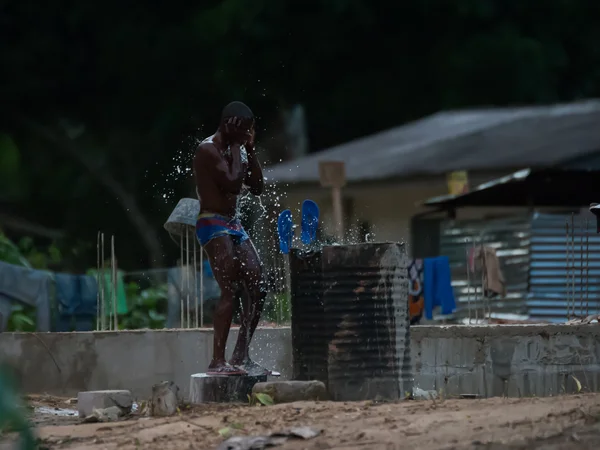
(206, 388)
(292, 391)
(89, 400)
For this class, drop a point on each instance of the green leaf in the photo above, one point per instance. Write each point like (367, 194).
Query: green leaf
(265, 399)
(156, 316)
(22, 319)
(54, 254)
(10, 253)
(577, 382)
(225, 432)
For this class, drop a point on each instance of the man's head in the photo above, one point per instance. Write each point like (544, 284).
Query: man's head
(237, 121)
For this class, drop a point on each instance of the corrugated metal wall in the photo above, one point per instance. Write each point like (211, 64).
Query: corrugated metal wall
(550, 270)
(511, 238)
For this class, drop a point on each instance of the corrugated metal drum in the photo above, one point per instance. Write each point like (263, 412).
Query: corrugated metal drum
(366, 308)
(309, 337)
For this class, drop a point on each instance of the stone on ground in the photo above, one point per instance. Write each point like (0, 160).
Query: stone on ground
(206, 388)
(89, 400)
(292, 391)
(110, 414)
(165, 399)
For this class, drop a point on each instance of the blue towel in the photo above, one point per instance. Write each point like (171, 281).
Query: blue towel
(77, 298)
(28, 286)
(438, 286)
(76, 295)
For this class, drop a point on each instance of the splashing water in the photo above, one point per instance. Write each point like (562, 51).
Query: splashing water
(260, 215)
(181, 167)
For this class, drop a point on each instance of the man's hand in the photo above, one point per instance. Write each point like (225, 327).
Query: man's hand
(250, 142)
(241, 131)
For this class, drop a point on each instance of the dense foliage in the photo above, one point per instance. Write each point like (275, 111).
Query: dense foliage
(100, 100)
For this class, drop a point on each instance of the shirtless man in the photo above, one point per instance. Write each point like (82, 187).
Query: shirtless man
(223, 164)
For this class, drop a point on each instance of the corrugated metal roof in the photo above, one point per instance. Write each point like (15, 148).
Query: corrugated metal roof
(550, 272)
(461, 140)
(541, 187)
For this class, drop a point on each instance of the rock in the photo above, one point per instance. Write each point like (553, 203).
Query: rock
(206, 388)
(89, 400)
(262, 442)
(250, 443)
(299, 432)
(165, 399)
(110, 414)
(292, 391)
(420, 394)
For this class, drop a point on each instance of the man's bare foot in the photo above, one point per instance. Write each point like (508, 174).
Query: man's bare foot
(222, 368)
(253, 369)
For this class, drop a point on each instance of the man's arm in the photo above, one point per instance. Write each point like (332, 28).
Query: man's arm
(209, 160)
(254, 176)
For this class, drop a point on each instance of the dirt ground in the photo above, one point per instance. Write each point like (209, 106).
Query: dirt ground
(558, 423)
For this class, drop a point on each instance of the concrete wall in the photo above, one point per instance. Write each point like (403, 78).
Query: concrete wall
(517, 360)
(513, 360)
(66, 363)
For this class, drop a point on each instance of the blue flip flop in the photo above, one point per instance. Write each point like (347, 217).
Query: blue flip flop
(285, 229)
(310, 221)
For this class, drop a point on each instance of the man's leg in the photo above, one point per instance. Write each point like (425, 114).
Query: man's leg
(252, 303)
(222, 261)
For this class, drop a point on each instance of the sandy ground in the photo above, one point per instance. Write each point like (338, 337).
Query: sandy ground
(558, 423)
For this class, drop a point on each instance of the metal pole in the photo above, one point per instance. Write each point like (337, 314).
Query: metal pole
(567, 273)
(201, 286)
(195, 285)
(98, 306)
(288, 286)
(181, 281)
(573, 259)
(474, 280)
(114, 283)
(581, 268)
(103, 277)
(468, 284)
(187, 273)
(483, 277)
(587, 267)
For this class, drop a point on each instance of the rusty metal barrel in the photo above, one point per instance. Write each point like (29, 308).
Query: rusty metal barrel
(309, 332)
(365, 294)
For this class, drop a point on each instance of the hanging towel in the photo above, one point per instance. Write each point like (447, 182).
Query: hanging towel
(485, 258)
(76, 297)
(28, 286)
(122, 307)
(174, 293)
(5, 311)
(416, 300)
(438, 286)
